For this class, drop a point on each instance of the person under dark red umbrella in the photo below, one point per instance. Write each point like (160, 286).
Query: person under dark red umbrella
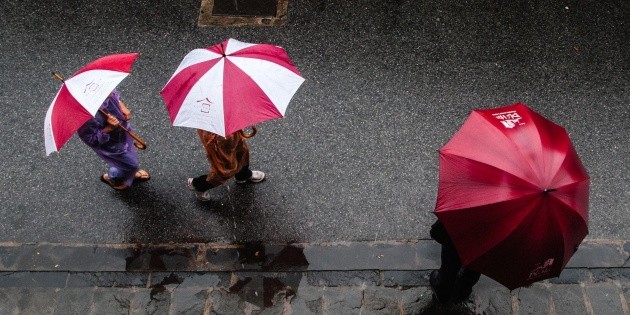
(451, 283)
(512, 195)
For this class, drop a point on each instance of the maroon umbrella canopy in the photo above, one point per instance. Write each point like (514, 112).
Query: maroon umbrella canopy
(513, 195)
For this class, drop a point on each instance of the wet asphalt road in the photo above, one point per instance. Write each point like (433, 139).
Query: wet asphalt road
(388, 82)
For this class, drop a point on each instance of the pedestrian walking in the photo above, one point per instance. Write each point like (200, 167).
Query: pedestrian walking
(452, 283)
(105, 135)
(228, 157)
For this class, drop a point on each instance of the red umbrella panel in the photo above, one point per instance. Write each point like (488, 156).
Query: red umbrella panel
(513, 195)
(81, 95)
(231, 85)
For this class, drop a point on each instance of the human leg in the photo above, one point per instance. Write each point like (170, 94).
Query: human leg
(466, 279)
(443, 280)
(200, 183)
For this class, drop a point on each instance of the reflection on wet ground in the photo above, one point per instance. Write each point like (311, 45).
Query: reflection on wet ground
(254, 256)
(260, 289)
(156, 258)
(256, 278)
(256, 274)
(256, 288)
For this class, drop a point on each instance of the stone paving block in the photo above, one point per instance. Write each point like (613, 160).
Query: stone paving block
(380, 300)
(608, 274)
(625, 286)
(9, 298)
(342, 300)
(421, 255)
(188, 301)
(308, 300)
(259, 288)
(572, 276)
(224, 302)
(225, 259)
(412, 278)
(37, 300)
(568, 299)
(108, 279)
(71, 258)
(626, 252)
(155, 301)
(33, 279)
(343, 278)
(181, 279)
(533, 300)
(9, 257)
(111, 301)
(604, 298)
(158, 258)
(415, 300)
(491, 297)
(591, 255)
(74, 301)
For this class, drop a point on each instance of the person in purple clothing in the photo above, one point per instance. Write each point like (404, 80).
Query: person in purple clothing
(112, 144)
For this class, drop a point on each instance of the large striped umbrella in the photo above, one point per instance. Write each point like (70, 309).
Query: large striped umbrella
(229, 86)
(81, 95)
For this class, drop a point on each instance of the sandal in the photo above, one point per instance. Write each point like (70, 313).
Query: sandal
(105, 179)
(141, 176)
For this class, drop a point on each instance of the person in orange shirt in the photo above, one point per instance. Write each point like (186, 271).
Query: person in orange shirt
(228, 157)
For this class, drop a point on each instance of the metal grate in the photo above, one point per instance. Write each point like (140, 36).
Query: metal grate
(242, 12)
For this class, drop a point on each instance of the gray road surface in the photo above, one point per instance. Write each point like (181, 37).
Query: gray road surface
(388, 82)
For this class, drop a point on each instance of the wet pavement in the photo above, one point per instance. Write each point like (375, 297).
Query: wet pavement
(351, 170)
(257, 278)
(355, 158)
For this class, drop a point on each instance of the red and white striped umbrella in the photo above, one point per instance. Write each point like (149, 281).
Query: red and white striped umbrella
(81, 95)
(229, 86)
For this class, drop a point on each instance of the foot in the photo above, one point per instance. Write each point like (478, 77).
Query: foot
(439, 293)
(257, 177)
(189, 184)
(201, 195)
(118, 186)
(141, 176)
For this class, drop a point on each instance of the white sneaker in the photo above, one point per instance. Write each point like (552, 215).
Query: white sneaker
(257, 177)
(201, 195)
(189, 184)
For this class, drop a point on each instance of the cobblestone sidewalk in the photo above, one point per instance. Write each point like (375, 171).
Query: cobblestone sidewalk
(340, 278)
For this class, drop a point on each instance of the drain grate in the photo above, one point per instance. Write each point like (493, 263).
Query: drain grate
(242, 12)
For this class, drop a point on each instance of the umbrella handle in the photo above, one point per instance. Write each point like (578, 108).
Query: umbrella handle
(138, 143)
(59, 77)
(249, 135)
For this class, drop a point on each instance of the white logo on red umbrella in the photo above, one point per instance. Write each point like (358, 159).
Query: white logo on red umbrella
(509, 119)
(541, 269)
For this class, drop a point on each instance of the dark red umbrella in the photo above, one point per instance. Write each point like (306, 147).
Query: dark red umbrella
(513, 195)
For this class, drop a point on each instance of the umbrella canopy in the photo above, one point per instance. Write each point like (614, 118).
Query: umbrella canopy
(229, 86)
(81, 95)
(513, 195)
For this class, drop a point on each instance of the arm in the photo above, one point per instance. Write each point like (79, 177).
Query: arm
(93, 134)
(124, 109)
